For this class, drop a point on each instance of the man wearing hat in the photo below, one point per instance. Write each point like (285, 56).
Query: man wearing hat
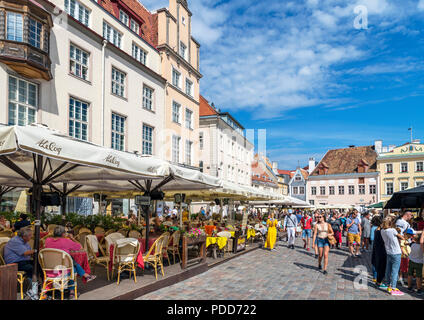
(290, 224)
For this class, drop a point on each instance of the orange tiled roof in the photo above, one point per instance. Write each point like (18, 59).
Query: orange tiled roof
(341, 161)
(205, 109)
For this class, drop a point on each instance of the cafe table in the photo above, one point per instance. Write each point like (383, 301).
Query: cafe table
(140, 260)
(81, 258)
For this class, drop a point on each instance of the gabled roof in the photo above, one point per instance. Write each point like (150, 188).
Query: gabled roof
(341, 161)
(205, 109)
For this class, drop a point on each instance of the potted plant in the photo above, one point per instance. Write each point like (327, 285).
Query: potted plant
(195, 235)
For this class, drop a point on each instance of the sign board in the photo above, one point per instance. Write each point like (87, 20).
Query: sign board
(244, 221)
(142, 200)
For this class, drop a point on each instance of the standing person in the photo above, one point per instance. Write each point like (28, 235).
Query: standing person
(416, 260)
(354, 233)
(343, 220)
(403, 222)
(379, 257)
(336, 225)
(298, 228)
(366, 231)
(290, 224)
(306, 222)
(404, 259)
(391, 242)
(314, 222)
(321, 232)
(271, 237)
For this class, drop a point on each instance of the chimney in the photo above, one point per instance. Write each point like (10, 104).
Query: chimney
(275, 167)
(391, 147)
(311, 165)
(378, 146)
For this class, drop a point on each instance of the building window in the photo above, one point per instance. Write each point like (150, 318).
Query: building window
(189, 88)
(420, 166)
(313, 191)
(147, 98)
(188, 148)
(389, 188)
(135, 27)
(176, 78)
(78, 11)
(419, 183)
(389, 168)
(322, 191)
(301, 190)
(78, 119)
(176, 107)
(312, 202)
(404, 167)
(298, 178)
(201, 140)
(331, 190)
(118, 82)
(183, 20)
(118, 132)
(35, 28)
(23, 101)
(351, 189)
(15, 29)
(176, 149)
(201, 166)
(123, 17)
(361, 189)
(139, 54)
(112, 35)
(403, 186)
(78, 62)
(341, 190)
(183, 50)
(294, 190)
(189, 119)
(147, 140)
(373, 189)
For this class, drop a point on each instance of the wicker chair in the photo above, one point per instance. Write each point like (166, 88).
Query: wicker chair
(93, 258)
(6, 233)
(83, 233)
(134, 234)
(111, 239)
(124, 232)
(175, 247)
(52, 260)
(154, 255)
(125, 255)
(109, 232)
(84, 230)
(99, 230)
(166, 240)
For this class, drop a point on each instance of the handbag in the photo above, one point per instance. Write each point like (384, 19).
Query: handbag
(331, 238)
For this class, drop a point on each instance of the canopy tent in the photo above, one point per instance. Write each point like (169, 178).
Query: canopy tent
(378, 205)
(34, 157)
(286, 201)
(410, 198)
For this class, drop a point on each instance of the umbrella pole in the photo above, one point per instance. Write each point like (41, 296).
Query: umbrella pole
(146, 212)
(181, 215)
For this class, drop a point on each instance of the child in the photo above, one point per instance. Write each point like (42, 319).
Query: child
(416, 261)
(404, 260)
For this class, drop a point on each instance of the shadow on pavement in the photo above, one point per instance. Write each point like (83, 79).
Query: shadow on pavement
(305, 266)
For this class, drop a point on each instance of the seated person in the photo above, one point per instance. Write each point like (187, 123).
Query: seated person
(4, 224)
(17, 250)
(59, 241)
(23, 222)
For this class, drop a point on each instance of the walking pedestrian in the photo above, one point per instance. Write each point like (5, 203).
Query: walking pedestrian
(353, 225)
(336, 225)
(290, 224)
(314, 222)
(321, 232)
(379, 256)
(366, 231)
(391, 239)
(306, 223)
(271, 237)
(416, 260)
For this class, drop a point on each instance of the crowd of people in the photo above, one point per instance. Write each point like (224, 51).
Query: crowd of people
(396, 243)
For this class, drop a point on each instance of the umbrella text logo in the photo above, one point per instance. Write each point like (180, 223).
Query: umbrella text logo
(50, 146)
(112, 160)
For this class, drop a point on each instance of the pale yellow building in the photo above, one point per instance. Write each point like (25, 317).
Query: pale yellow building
(401, 168)
(179, 53)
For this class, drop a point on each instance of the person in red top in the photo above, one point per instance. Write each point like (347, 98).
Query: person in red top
(306, 223)
(60, 242)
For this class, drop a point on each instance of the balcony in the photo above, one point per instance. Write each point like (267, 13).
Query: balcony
(24, 38)
(25, 59)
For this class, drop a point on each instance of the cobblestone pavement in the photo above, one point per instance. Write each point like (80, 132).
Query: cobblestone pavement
(283, 274)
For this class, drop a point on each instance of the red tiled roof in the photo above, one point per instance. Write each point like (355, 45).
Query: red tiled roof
(205, 109)
(284, 172)
(346, 160)
(148, 28)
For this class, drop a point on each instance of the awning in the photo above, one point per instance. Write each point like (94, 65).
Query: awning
(407, 199)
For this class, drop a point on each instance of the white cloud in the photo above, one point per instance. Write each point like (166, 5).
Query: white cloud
(421, 5)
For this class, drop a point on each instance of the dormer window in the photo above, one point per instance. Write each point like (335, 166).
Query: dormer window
(135, 27)
(123, 17)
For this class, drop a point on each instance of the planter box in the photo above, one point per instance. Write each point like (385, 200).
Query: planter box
(201, 242)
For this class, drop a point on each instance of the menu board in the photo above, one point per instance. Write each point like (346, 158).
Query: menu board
(244, 221)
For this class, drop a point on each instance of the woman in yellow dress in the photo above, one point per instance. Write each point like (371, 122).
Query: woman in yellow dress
(271, 237)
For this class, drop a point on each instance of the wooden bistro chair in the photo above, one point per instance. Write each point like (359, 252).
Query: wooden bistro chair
(92, 245)
(6, 233)
(154, 255)
(134, 234)
(175, 247)
(52, 260)
(166, 239)
(20, 275)
(81, 237)
(125, 254)
(51, 227)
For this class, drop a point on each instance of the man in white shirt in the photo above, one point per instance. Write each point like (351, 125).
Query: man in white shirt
(402, 223)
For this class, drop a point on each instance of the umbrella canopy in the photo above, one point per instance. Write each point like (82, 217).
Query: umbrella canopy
(377, 205)
(410, 198)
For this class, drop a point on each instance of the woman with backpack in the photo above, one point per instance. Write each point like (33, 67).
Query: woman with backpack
(322, 231)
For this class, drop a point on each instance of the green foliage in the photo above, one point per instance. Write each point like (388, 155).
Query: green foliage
(14, 216)
(194, 216)
(239, 217)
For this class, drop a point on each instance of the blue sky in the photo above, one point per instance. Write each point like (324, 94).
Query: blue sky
(301, 70)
